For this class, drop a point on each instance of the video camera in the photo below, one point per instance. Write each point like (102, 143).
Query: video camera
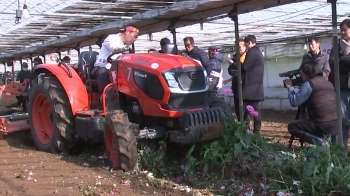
(294, 76)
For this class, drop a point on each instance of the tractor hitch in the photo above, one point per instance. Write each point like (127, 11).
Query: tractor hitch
(199, 126)
(151, 133)
(13, 123)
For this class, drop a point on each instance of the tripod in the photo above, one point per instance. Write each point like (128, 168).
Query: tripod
(302, 113)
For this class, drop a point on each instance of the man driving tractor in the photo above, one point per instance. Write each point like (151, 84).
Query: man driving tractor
(113, 43)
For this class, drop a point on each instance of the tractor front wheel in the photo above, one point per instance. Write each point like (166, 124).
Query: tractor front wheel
(50, 116)
(215, 101)
(120, 141)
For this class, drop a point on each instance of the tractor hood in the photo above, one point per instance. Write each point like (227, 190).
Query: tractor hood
(159, 62)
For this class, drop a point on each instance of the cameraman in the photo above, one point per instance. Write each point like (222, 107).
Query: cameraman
(318, 96)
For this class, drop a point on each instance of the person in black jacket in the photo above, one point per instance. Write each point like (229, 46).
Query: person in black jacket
(66, 59)
(21, 76)
(198, 54)
(253, 78)
(36, 61)
(163, 42)
(232, 71)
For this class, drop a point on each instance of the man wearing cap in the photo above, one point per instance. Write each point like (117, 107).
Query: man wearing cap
(21, 76)
(216, 59)
(113, 43)
(163, 42)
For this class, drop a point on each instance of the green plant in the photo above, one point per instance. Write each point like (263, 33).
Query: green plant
(235, 146)
(315, 171)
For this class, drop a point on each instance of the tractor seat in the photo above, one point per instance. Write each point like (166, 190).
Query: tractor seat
(86, 63)
(171, 49)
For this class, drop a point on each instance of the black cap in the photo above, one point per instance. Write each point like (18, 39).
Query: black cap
(164, 41)
(37, 60)
(24, 65)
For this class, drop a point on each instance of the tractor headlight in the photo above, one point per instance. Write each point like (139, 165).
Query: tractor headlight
(170, 79)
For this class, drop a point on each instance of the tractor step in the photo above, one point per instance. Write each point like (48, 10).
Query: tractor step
(88, 112)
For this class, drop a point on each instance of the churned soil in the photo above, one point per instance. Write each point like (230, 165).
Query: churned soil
(26, 171)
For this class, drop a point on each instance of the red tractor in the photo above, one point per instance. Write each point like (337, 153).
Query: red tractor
(150, 96)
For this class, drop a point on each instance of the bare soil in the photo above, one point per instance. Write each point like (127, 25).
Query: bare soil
(26, 171)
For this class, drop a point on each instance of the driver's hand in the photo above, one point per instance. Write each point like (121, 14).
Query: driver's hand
(288, 83)
(126, 52)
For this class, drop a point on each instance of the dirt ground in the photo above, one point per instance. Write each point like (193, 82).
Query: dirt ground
(25, 171)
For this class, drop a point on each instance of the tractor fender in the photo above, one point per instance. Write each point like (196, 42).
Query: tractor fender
(73, 86)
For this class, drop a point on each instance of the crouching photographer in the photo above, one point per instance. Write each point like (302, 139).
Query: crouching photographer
(318, 96)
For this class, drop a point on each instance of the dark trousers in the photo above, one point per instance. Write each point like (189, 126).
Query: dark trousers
(236, 103)
(22, 100)
(102, 77)
(345, 129)
(345, 95)
(257, 120)
(310, 131)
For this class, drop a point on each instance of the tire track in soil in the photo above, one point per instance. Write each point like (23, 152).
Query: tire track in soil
(25, 171)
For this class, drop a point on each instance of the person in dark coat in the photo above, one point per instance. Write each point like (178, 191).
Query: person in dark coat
(253, 79)
(21, 76)
(36, 61)
(163, 42)
(66, 59)
(344, 73)
(232, 71)
(198, 54)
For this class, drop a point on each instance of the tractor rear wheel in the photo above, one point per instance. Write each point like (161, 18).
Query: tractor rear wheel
(120, 141)
(215, 101)
(50, 116)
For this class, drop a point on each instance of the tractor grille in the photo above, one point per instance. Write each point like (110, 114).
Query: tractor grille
(191, 79)
(187, 101)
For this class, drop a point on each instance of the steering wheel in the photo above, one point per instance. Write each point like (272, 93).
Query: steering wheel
(109, 58)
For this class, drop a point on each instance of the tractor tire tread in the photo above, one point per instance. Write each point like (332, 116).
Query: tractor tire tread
(124, 140)
(218, 102)
(63, 117)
